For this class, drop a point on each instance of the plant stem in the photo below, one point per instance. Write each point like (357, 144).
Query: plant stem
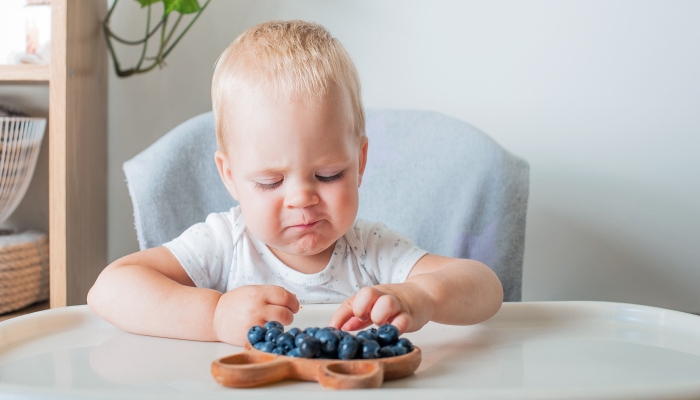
(186, 29)
(129, 42)
(145, 42)
(170, 35)
(159, 57)
(164, 40)
(135, 42)
(105, 28)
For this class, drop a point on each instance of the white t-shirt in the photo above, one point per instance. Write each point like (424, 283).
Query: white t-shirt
(221, 254)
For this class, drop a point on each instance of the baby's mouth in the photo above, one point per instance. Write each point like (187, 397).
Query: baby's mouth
(305, 226)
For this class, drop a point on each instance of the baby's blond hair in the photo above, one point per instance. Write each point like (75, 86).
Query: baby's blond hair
(288, 58)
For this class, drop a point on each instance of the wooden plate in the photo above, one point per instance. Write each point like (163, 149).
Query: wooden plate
(253, 367)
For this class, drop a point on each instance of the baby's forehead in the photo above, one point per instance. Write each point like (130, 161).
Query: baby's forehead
(255, 141)
(263, 114)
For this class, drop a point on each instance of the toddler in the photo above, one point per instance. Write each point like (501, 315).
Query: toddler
(291, 150)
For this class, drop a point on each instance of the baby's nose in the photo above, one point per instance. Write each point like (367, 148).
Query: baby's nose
(301, 196)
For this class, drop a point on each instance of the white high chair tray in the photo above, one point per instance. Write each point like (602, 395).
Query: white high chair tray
(528, 350)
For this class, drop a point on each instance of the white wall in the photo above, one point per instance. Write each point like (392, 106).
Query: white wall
(600, 97)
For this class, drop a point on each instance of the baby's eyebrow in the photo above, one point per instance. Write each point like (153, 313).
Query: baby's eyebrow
(334, 164)
(266, 171)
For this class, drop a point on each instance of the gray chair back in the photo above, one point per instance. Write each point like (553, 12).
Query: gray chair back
(435, 179)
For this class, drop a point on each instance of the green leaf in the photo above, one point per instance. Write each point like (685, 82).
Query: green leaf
(144, 3)
(181, 6)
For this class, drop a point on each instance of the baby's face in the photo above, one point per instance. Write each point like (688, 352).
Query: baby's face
(295, 168)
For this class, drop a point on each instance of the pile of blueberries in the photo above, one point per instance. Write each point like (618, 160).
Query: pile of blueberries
(329, 342)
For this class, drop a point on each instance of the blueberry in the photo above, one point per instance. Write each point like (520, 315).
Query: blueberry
(405, 343)
(347, 349)
(267, 347)
(329, 342)
(256, 334)
(311, 331)
(360, 343)
(344, 334)
(298, 338)
(334, 331)
(310, 347)
(272, 334)
(399, 350)
(294, 332)
(387, 335)
(386, 351)
(370, 349)
(369, 334)
(274, 324)
(285, 341)
(278, 350)
(294, 352)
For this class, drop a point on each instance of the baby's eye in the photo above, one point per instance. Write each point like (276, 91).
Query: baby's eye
(268, 186)
(330, 178)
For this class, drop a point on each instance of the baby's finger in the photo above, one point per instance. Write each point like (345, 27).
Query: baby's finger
(355, 324)
(342, 315)
(280, 314)
(385, 308)
(402, 322)
(364, 302)
(279, 296)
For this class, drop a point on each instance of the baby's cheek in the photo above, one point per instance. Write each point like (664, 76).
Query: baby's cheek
(262, 216)
(346, 204)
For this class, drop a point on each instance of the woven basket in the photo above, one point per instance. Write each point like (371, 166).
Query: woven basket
(24, 269)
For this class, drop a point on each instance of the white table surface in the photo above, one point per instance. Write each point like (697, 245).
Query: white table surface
(528, 350)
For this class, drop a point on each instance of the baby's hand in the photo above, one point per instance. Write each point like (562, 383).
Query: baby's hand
(243, 307)
(404, 305)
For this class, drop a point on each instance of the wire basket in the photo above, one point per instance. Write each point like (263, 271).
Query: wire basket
(24, 265)
(20, 141)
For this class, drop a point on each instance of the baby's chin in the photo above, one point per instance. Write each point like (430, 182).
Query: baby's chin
(307, 249)
(308, 245)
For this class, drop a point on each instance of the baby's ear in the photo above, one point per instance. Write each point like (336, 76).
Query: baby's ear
(224, 167)
(363, 159)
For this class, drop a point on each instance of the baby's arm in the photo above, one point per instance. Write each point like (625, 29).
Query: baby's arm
(149, 293)
(446, 290)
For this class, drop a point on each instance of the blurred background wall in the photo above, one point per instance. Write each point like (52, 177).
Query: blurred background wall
(602, 98)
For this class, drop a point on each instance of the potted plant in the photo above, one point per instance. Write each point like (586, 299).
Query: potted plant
(164, 31)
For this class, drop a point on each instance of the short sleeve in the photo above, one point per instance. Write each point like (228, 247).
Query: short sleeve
(205, 251)
(390, 256)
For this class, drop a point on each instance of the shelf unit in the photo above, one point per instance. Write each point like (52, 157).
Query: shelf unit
(24, 73)
(77, 130)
